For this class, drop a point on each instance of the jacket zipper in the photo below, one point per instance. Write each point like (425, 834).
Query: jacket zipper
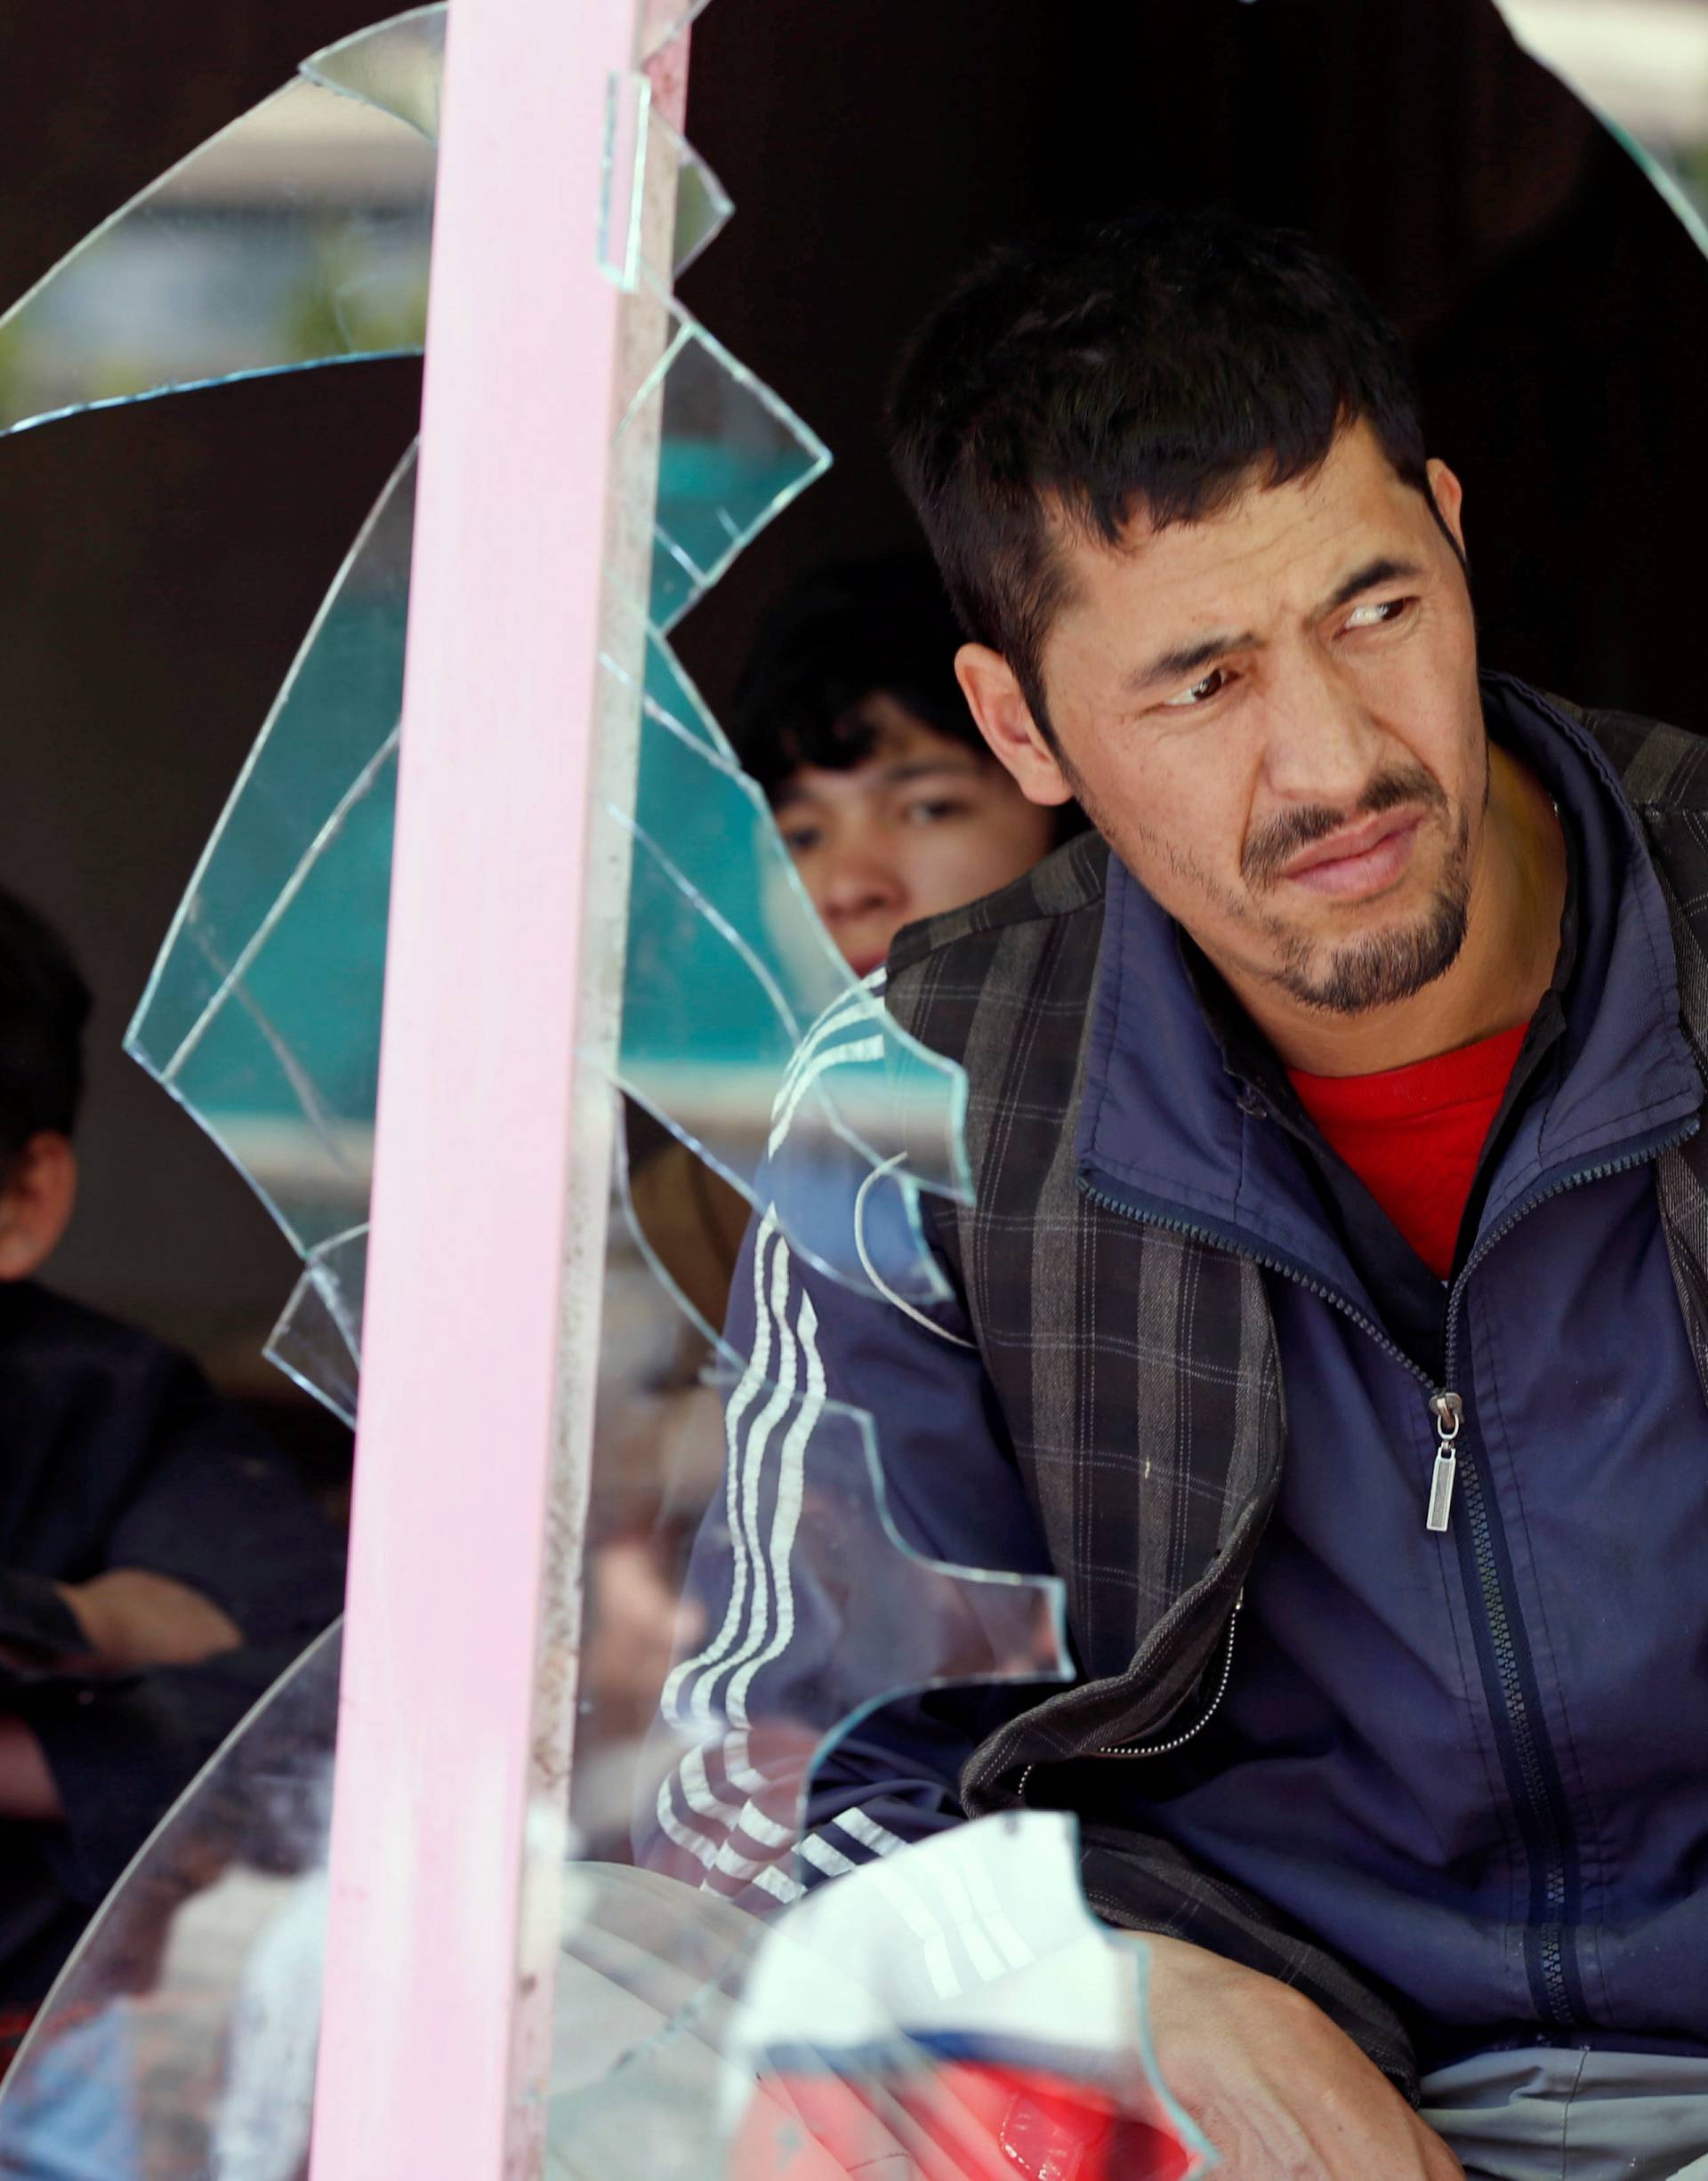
(1167, 1749)
(1446, 1406)
(1542, 1823)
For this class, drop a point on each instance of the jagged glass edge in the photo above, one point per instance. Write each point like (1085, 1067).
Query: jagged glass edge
(328, 831)
(1192, 2138)
(310, 1286)
(134, 1033)
(1049, 1591)
(685, 329)
(714, 746)
(722, 205)
(1131, 2043)
(665, 21)
(1678, 198)
(314, 68)
(281, 903)
(313, 73)
(705, 739)
(136, 203)
(43, 2026)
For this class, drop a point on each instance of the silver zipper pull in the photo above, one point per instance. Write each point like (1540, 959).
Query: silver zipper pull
(1449, 1414)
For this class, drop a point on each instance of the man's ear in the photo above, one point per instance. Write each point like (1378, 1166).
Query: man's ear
(38, 1187)
(1017, 742)
(1450, 499)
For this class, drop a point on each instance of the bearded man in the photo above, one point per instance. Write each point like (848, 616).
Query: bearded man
(1332, 1311)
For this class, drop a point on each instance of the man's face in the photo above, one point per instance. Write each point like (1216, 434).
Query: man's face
(1273, 716)
(923, 825)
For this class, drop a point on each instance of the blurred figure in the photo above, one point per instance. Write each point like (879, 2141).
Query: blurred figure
(160, 1562)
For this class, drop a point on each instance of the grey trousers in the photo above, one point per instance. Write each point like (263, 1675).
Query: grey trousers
(1542, 2115)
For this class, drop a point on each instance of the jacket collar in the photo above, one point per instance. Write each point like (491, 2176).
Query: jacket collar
(1169, 1127)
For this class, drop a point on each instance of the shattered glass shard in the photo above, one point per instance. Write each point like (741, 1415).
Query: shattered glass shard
(318, 1341)
(664, 683)
(956, 2014)
(336, 709)
(814, 1610)
(743, 1030)
(746, 1035)
(704, 206)
(956, 2011)
(734, 456)
(1642, 66)
(622, 194)
(397, 66)
(272, 1069)
(297, 236)
(644, 156)
(263, 1013)
(178, 2040)
(648, 2006)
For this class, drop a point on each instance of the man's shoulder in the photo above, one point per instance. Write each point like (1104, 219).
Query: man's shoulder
(1031, 947)
(1660, 767)
(1069, 882)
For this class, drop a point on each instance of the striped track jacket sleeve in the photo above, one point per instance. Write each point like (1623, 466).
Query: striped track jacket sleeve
(864, 1472)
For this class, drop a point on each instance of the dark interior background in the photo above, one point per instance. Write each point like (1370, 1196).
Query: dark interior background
(158, 567)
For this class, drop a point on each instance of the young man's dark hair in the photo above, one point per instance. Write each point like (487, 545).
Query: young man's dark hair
(1147, 364)
(848, 631)
(44, 1006)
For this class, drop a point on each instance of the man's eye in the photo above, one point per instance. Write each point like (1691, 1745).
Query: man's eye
(932, 810)
(1212, 685)
(799, 839)
(1381, 613)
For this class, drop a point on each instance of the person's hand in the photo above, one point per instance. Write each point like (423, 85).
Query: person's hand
(1276, 2088)
(135, 1619)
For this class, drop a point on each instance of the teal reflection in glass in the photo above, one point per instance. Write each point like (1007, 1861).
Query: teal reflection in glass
(262, 1016)
(704, 206)
(734, 456)
(337, 708)
(281, 1068)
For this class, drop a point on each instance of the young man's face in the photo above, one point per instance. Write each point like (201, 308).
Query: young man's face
(1273, 716)
(923, 823)
(38, 1189)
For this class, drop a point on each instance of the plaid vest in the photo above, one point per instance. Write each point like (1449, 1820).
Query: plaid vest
(1136, 1369)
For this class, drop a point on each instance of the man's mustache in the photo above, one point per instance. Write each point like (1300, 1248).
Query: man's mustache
(1274, 845)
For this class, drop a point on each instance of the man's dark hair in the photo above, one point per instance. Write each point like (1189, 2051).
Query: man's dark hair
(1154, 365)
(44, 1006)
(848, 633)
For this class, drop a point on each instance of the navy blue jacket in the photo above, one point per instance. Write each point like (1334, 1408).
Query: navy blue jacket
(1466, 1762)
(115, 1452)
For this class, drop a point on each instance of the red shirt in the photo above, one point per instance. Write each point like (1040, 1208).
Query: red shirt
(1414, 1135)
